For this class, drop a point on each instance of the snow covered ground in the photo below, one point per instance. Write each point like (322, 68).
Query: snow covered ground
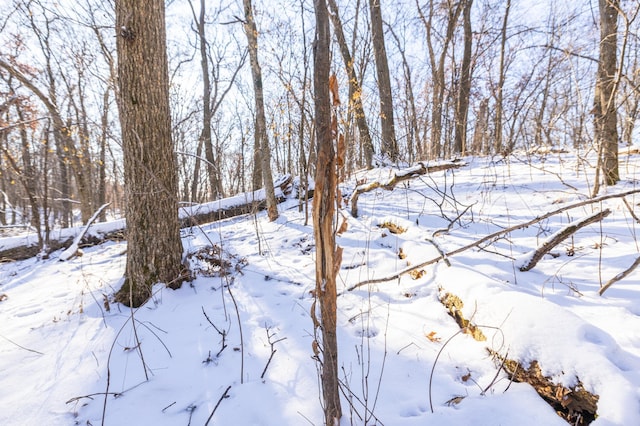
(234, 347)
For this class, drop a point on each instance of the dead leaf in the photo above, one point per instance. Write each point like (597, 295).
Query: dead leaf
(432, 337)
(455, 400)
(417, 273)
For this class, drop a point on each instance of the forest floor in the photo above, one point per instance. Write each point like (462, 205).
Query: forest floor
(234, 346)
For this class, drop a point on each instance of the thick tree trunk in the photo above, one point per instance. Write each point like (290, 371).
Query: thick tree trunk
(389, 144)
(263, 153)
(151, 183)
(328, 256)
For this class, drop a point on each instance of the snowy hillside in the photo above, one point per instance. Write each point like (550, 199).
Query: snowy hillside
(234, 346)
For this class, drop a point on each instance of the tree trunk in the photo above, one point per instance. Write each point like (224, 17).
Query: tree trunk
(438, 70)
(151, 183)
(355, 88)
(498, 144)
(389, 144)
(207, 112)
(328, 256)
(606, 114)
(464, 91)
(263, 154)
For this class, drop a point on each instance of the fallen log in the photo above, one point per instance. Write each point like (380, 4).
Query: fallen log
(422, 168)
(24, 247)
(574, 404)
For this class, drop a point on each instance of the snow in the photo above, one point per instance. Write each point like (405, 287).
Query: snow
(69, 355)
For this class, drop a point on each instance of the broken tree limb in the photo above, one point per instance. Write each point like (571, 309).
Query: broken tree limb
(574, 404)
(74, 247)
(422, 168)
(493, 236)
(530, 260)
(24, 247)
(622, 275)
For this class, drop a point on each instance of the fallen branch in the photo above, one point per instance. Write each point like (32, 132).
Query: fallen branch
(574, 404)
(620, 276)
(224, 395)
(491, 237)
(25, 247)
(401, 175)
(73, 249)
(530, 260)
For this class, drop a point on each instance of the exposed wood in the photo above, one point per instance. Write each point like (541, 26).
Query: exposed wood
(574, 404)
(421, 168)
(328, 254)
(534, 257)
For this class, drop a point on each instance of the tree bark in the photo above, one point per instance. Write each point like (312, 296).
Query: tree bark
(263, 155)
(389, 144)
(328, 256)
(438, 70)
(355, 88)
(498, 144)
(464, 88)
(606, 85)
(151, 183)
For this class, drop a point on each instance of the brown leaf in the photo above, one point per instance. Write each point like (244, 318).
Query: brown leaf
(432, 337)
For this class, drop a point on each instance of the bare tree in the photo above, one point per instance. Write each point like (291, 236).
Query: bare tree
(464, 85)
(262, 157)
(438, 66)
(389, 144)
(501, 78)
(355, 87)
(154, 251)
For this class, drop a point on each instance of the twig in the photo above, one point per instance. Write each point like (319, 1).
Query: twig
(221, 333)
(436, 362)
(91, 395)
(21, 347)
(273, 351)
(630, 207)
(224, 395)
(620, 276)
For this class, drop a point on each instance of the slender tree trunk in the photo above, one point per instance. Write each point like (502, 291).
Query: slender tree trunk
(328, 257)
(464, 92)
(498, 144)
(154, 250)
(438, 70)
(355, 88)
(389, 144)
(605, 111)
(263, 153)
(102, 166)
(207, 112)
